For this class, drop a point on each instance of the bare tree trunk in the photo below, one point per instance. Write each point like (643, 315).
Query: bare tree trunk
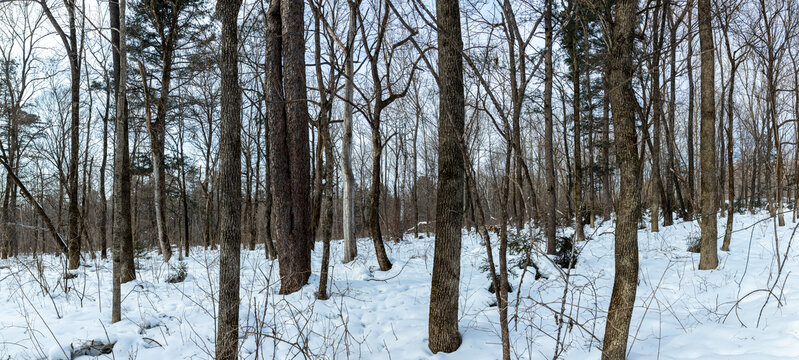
(623, 102)
(69, 40)
(577, 186)
(227, 342)
(607, 192)
(350, 243)
(708, 247)
(183, 193)
(288, 124)
(657, 118)
(104, 200)
(443, 320)
(374, 205)
(123, 240)
(548, 130)
(730, 161)
(269, 244)
(691, 157)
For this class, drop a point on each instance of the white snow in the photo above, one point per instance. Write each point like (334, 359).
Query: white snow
(742, 310)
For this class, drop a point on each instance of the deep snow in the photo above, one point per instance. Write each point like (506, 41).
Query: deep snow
(680, 313)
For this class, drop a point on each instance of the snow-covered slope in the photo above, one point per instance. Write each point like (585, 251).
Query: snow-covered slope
(745, 309)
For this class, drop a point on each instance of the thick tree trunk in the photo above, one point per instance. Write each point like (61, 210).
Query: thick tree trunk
(443, 320)
(227, 341)
(289, 149)
(708, 247)
(623, 102)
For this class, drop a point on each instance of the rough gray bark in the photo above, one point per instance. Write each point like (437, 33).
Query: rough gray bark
(443, 321)
(227, 341)
(708, 259)
(289, 148)
(623, 104)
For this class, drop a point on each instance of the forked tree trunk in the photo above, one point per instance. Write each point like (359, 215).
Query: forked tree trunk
(288, 124)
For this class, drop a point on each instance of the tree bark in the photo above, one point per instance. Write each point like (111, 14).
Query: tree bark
(227, 341)
(443, 320)
(691, 157)
(350, 243)
(549, 156)
(289, 149)
(123, 237)
(623, 103)
(708, 259)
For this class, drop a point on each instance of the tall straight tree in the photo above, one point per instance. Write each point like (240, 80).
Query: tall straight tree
(657, 114)
(227, 342)
(735, 58)
(122, 251)
(123, 229)
(548, 129)
(348, 210)
(160, 28)
(443, 321)
(571, 42)
(690, 136)
(708, 259)
(74, 49)
(287, 111)
(623, 105)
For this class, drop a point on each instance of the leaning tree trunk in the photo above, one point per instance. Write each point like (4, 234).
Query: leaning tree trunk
(374, 205)
(725, 246)
(623, 103)
(708, 250)
(443, 320)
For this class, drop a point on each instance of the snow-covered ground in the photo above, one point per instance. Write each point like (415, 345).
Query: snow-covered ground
(743, 310)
